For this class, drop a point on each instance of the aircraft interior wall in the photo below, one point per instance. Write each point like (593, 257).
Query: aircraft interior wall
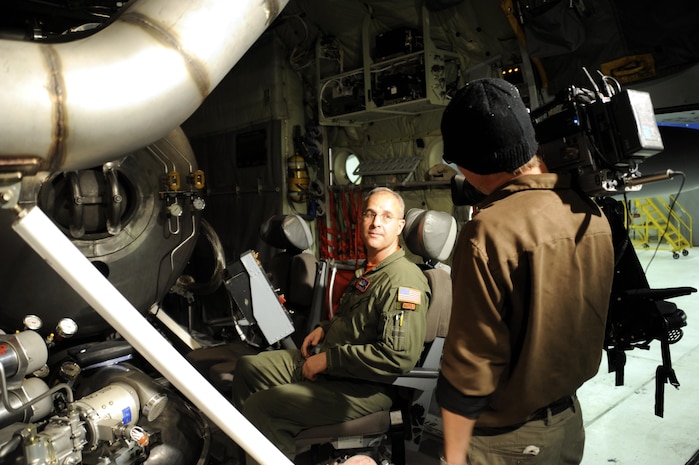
(267, 88)
(243, 135)
(281, 79)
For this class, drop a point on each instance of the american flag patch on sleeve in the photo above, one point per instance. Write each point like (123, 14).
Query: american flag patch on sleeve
(408, 294)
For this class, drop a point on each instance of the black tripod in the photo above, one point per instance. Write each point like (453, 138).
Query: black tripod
(637, 313)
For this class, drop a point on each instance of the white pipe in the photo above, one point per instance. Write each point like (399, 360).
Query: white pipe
(58, 251)
(79, 104)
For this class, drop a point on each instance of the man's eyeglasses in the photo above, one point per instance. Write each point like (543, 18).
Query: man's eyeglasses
(369, 215)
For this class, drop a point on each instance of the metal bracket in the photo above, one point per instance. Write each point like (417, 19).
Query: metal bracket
(402, 166)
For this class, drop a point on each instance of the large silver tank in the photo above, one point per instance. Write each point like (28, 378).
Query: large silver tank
(141, 241)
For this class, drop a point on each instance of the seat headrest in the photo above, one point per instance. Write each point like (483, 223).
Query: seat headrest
(429, 233)
(287, 232)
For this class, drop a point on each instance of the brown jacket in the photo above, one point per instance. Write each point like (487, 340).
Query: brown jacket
(532, 274)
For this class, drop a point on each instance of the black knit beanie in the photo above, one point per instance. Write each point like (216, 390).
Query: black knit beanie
(487, 129)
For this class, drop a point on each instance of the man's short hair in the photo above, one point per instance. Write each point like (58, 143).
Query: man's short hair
(398, 197)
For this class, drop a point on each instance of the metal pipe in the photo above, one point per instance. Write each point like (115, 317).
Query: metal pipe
(58, 251)
(79, 104)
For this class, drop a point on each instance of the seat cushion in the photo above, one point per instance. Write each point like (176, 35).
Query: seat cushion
(369, 425)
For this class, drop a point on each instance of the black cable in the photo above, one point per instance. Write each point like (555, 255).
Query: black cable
(669, 214)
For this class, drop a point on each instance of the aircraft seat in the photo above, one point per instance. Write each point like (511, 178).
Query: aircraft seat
(431, 235)
(292, 271)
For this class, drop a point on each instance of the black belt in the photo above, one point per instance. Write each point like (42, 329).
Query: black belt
(555, 408)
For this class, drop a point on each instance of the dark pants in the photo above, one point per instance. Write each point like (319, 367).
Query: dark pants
(555, 440)
(271, 392)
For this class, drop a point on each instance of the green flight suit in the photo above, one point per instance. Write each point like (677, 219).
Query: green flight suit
(377, 334)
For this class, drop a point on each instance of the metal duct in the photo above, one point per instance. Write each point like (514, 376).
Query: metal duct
(79, 104)
(143, 254)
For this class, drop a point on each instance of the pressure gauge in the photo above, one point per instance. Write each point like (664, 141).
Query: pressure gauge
(32, 322)
(69, 371)
(175, 209)
(66, 328)
(198, 203)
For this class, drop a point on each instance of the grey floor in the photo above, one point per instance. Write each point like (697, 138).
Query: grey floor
(620, 423)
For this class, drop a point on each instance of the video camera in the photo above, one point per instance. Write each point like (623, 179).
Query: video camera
(601, 137)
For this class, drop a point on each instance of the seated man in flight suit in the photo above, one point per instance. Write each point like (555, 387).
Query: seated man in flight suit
(345, 366)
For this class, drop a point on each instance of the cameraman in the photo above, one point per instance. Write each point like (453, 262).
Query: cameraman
(532, 275)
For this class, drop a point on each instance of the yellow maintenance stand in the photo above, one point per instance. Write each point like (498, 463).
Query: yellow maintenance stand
(651, 218)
